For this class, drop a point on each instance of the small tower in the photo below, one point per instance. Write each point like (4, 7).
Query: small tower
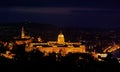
(39, 39)
(22, 33)
(61, 39)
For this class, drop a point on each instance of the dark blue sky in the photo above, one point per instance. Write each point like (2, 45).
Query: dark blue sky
(73, 13)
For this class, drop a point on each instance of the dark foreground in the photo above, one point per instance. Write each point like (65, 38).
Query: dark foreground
(60, 67)
(36, 62)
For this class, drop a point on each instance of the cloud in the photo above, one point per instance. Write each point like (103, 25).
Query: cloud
(43, 10)
(54, 10)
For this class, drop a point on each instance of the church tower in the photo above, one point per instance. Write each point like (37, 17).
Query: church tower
(61, 39)
(22, 33)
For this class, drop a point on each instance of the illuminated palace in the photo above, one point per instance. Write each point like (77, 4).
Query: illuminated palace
(59, 46)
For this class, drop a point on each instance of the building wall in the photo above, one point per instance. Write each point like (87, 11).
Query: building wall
(62, 50)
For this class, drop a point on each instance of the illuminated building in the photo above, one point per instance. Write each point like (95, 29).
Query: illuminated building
(22, 33)
(23, 39)
(111, 48)
(39, 39)
(61, 39)
(59, 46)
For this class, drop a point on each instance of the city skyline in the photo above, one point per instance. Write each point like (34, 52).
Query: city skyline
(86, 14)
(60, 35)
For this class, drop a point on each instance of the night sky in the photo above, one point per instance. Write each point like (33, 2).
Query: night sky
(72, 13)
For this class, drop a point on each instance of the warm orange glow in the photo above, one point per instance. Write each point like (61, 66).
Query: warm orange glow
(111, 48)
(63, 50)
(20, 42)
(61, 39)
(8, 55)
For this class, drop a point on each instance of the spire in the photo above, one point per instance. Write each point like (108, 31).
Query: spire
(22, 33)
